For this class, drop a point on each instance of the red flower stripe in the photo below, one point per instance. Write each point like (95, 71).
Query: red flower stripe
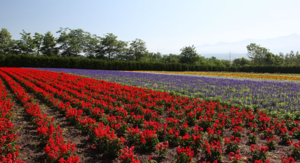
(118, 106)
(99, 132)
(8, 149)
(57, 148)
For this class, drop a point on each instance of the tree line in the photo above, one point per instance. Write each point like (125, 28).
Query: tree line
(14, 60)
(81, 44)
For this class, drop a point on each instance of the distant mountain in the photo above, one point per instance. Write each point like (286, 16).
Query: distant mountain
(238, 49)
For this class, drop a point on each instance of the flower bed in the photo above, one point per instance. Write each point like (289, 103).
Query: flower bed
(9, 151)
(56, 148)
(289, 77)
(164, 126)
(273, 97)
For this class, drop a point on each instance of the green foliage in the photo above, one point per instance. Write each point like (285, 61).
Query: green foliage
(171, 58)
(262, 56)
(240, 62)
(26, 45)
(82, 50)
(2, 60)
(6, 43)
(48, 45)
(188, 55)
(72, 41)
(252, 138)
(137, 49)
(38, 40)
(13, 60)
(92, 48)
(110, 47)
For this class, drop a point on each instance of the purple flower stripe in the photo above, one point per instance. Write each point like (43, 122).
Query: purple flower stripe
(270, 95)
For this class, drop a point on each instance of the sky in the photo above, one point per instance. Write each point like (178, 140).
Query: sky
(165, 25)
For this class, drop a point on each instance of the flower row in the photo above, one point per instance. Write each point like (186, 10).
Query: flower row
(56, 148)
(9, 151)
(194, 126)
(235, 75)
(271, 96)
(102, 135)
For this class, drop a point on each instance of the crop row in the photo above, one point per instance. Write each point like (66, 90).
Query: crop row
(293, 77)
(8, 148)
(116, 116)
(56, 148)
(273, 97)
(98, 132)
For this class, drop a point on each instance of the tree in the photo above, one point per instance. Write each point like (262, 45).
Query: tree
(6, 43)
(171, 58)
(213, 61)
(138, 48)
(244, 61)
(124, 56)
(201, 61)
(269, 59)
(188, 55)
(240, 62)
(38, 40)
(258, 54)
(225, 63)
(147, 57)
(26, 44)
(297, 58)
(278, 60)
(151, 57)
(155, 57)
(110, 46)
(92, 48)
(72, 43)
(291, 59)
(48, 45)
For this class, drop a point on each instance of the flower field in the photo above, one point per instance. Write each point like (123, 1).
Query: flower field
(273, 97)
(120, 123)
(288, 77)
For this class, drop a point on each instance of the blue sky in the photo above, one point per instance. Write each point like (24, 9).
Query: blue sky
(165, 25)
